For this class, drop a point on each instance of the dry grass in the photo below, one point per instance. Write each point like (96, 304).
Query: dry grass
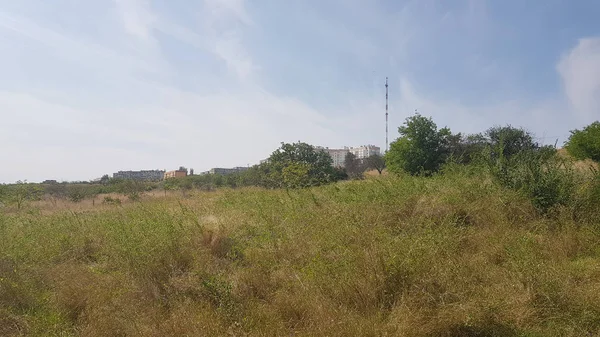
(444, 256)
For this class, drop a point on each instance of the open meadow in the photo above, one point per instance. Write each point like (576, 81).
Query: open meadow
(450, 255)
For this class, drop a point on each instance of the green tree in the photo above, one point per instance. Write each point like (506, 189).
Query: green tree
(300, 156)
(376, 162)
(133, 189)
(76, 192)
(354, 167)
(22, 192)
(296, 175)
(507, 141)
(585, 143)
(421, 148)
(105, 179)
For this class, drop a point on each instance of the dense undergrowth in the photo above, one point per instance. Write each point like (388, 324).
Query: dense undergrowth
(460, 254)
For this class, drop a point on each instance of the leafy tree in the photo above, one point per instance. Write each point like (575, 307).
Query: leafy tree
(507, 141)
(296, 175)
(376, 162)
(354, 166)
(105, 179)
(421, 148)
(21, 192)
(133, 189)
(585, 143)
(56, 191)
(186, 185)
(299, 156)
(76, 192)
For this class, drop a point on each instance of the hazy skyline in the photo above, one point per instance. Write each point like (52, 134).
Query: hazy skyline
(92, 87)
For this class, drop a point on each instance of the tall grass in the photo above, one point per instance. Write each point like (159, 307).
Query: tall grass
(459, 254)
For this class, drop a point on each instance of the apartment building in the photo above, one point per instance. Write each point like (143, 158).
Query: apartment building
(338, 156)
(225, 171)
(147, 175)
(365, 151)
(175, 174)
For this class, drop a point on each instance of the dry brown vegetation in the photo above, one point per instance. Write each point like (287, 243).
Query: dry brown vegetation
(452, 255)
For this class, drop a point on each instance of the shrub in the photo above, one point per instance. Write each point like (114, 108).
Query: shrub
(76, 193)
(585, 143)
(541, 175)
(111, 201)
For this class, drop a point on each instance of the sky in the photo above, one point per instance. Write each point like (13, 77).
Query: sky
(92, 87)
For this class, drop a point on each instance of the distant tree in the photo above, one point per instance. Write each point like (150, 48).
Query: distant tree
(507, 141)
(353, 166)
(105, 179)
(21, 192)
(76, 192)
(376, 162)
(185, 185)
(133, 189)
(585, 143)
(56, 191)
(300, 157)
(421, 148)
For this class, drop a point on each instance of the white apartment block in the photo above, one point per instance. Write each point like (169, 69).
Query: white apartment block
(339, 155)
(365, 151)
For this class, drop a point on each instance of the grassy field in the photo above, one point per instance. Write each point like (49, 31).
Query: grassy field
(453, 255)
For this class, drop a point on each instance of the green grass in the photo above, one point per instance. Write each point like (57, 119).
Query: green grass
(452, 255)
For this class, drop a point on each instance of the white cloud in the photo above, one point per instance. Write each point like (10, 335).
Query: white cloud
(127, 109)
(224, 24)
(137, 17)
(580, 71)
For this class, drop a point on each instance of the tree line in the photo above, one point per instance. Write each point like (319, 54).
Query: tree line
(509, 154)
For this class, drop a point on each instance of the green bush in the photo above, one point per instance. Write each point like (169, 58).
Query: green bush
(541, 175)
(76, 193)
(585, 144)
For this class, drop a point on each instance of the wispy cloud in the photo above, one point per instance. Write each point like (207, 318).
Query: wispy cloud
(158, 84)
(580, 71)
(224, 23)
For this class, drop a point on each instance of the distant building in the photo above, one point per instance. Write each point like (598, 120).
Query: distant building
(175, 174)
(338, 156)
(225, 171)
(365, 151)
(50, 181)
(147, 175)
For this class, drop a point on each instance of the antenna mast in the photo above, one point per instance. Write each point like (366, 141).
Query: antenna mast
(386, 114)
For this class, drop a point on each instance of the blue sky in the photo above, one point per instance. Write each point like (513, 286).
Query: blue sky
(92, 87)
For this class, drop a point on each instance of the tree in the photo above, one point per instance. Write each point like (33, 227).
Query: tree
(353, 165)
(376, 162)
(76, 192)
(507, 141)
(421, 149)
(21, 192)
(105, 179)
(296, 175)
(132, 189)
(300, 157)
(56, 191)
(585, 143)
